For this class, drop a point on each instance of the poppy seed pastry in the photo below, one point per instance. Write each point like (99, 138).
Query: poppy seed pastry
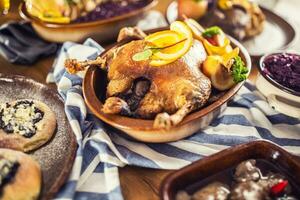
(25, 125)
(20, 176)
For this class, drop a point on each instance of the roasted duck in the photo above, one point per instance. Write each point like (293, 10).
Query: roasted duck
(167, 85)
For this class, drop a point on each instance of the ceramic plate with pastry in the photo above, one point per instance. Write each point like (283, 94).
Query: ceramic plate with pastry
(20, 176)
(47, 130)
(25, 124)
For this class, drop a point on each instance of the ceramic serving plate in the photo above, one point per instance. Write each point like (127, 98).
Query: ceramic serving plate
(218, 167)
(94, 90)
(100, 30)
(281, 33)
(57, 156)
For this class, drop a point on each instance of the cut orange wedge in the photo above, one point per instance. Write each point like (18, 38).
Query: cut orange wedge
(177, 51)
(229, 56)
(158, 62)
(163, 38)
(216, 50)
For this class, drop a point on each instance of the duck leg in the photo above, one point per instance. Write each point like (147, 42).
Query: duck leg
(116, 105)
(165, 121)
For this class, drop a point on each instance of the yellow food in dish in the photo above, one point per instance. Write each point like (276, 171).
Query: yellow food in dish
(48, 11)
(179, 34)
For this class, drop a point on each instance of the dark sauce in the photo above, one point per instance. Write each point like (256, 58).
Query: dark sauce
(112, 9)
(226, 177)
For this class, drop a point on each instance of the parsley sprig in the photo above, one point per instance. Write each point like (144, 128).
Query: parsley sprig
(239, 70)
(211, 31)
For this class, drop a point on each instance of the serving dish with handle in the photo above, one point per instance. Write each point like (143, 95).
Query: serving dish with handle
(101, 30)
(94, 89)
(209, 168)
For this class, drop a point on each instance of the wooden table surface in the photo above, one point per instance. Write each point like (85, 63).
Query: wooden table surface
(137, 183)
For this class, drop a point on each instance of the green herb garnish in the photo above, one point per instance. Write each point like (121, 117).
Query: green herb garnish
(144, 55)
(149, 51)
(239, 70)
(209, 32)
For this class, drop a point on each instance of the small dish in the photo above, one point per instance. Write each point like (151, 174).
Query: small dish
(281, 98)
(219, 167)
(282, 33)
(94, 89)
(100, 30)
(56, 157)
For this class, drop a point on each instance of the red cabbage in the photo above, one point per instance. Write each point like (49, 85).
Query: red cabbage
(284, 68)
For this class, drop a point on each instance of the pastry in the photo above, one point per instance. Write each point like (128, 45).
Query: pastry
(26, 125)
(20, 176)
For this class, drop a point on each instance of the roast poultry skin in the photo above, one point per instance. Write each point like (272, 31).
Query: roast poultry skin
(166, 93)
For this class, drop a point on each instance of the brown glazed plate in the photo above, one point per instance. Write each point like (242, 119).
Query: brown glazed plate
(94, 89)
(102, 30)
(57, 156)
(279, 33)
(219, 166)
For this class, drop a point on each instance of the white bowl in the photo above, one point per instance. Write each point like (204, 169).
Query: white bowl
(281, 98)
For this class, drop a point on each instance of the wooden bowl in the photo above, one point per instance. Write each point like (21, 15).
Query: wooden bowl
(220, 166)
(94, 89)
(100, 30)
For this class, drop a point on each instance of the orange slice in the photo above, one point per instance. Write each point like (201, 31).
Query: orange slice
(177, 51)
(164, 38)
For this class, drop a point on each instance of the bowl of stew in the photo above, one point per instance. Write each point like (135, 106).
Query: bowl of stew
(102, 24)
(258, 170)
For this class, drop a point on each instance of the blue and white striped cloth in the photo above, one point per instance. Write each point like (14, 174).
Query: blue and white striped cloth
(102, 150)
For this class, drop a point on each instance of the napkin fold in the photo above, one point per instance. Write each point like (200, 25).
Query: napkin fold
(102, 149)
(20, 44)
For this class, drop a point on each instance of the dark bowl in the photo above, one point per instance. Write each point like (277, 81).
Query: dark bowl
(220, 165)
(94, 87)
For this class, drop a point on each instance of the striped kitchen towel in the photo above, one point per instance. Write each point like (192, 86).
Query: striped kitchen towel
(102, 150)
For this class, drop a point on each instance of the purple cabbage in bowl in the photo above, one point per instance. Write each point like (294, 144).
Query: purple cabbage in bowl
(284, 68)
(110, 9)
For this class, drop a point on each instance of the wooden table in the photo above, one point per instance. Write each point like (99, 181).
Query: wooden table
(137, 183)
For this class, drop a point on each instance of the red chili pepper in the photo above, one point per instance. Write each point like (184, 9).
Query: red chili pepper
(212, 41)
(279, 188)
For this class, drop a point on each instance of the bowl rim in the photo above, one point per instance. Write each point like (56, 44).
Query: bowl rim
(270, 79)
(165, 187)
(26, 16)
(90, 97)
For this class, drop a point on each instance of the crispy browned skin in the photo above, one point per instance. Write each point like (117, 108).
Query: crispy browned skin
(169, 93)
(177, 85)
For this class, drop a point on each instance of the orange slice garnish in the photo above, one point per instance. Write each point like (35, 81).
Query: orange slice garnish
(168, 55)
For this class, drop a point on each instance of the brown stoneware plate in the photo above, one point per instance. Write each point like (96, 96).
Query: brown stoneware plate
(57, 156)
(94, 89)
(278, 33)
(100, 30)
(219, 167)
